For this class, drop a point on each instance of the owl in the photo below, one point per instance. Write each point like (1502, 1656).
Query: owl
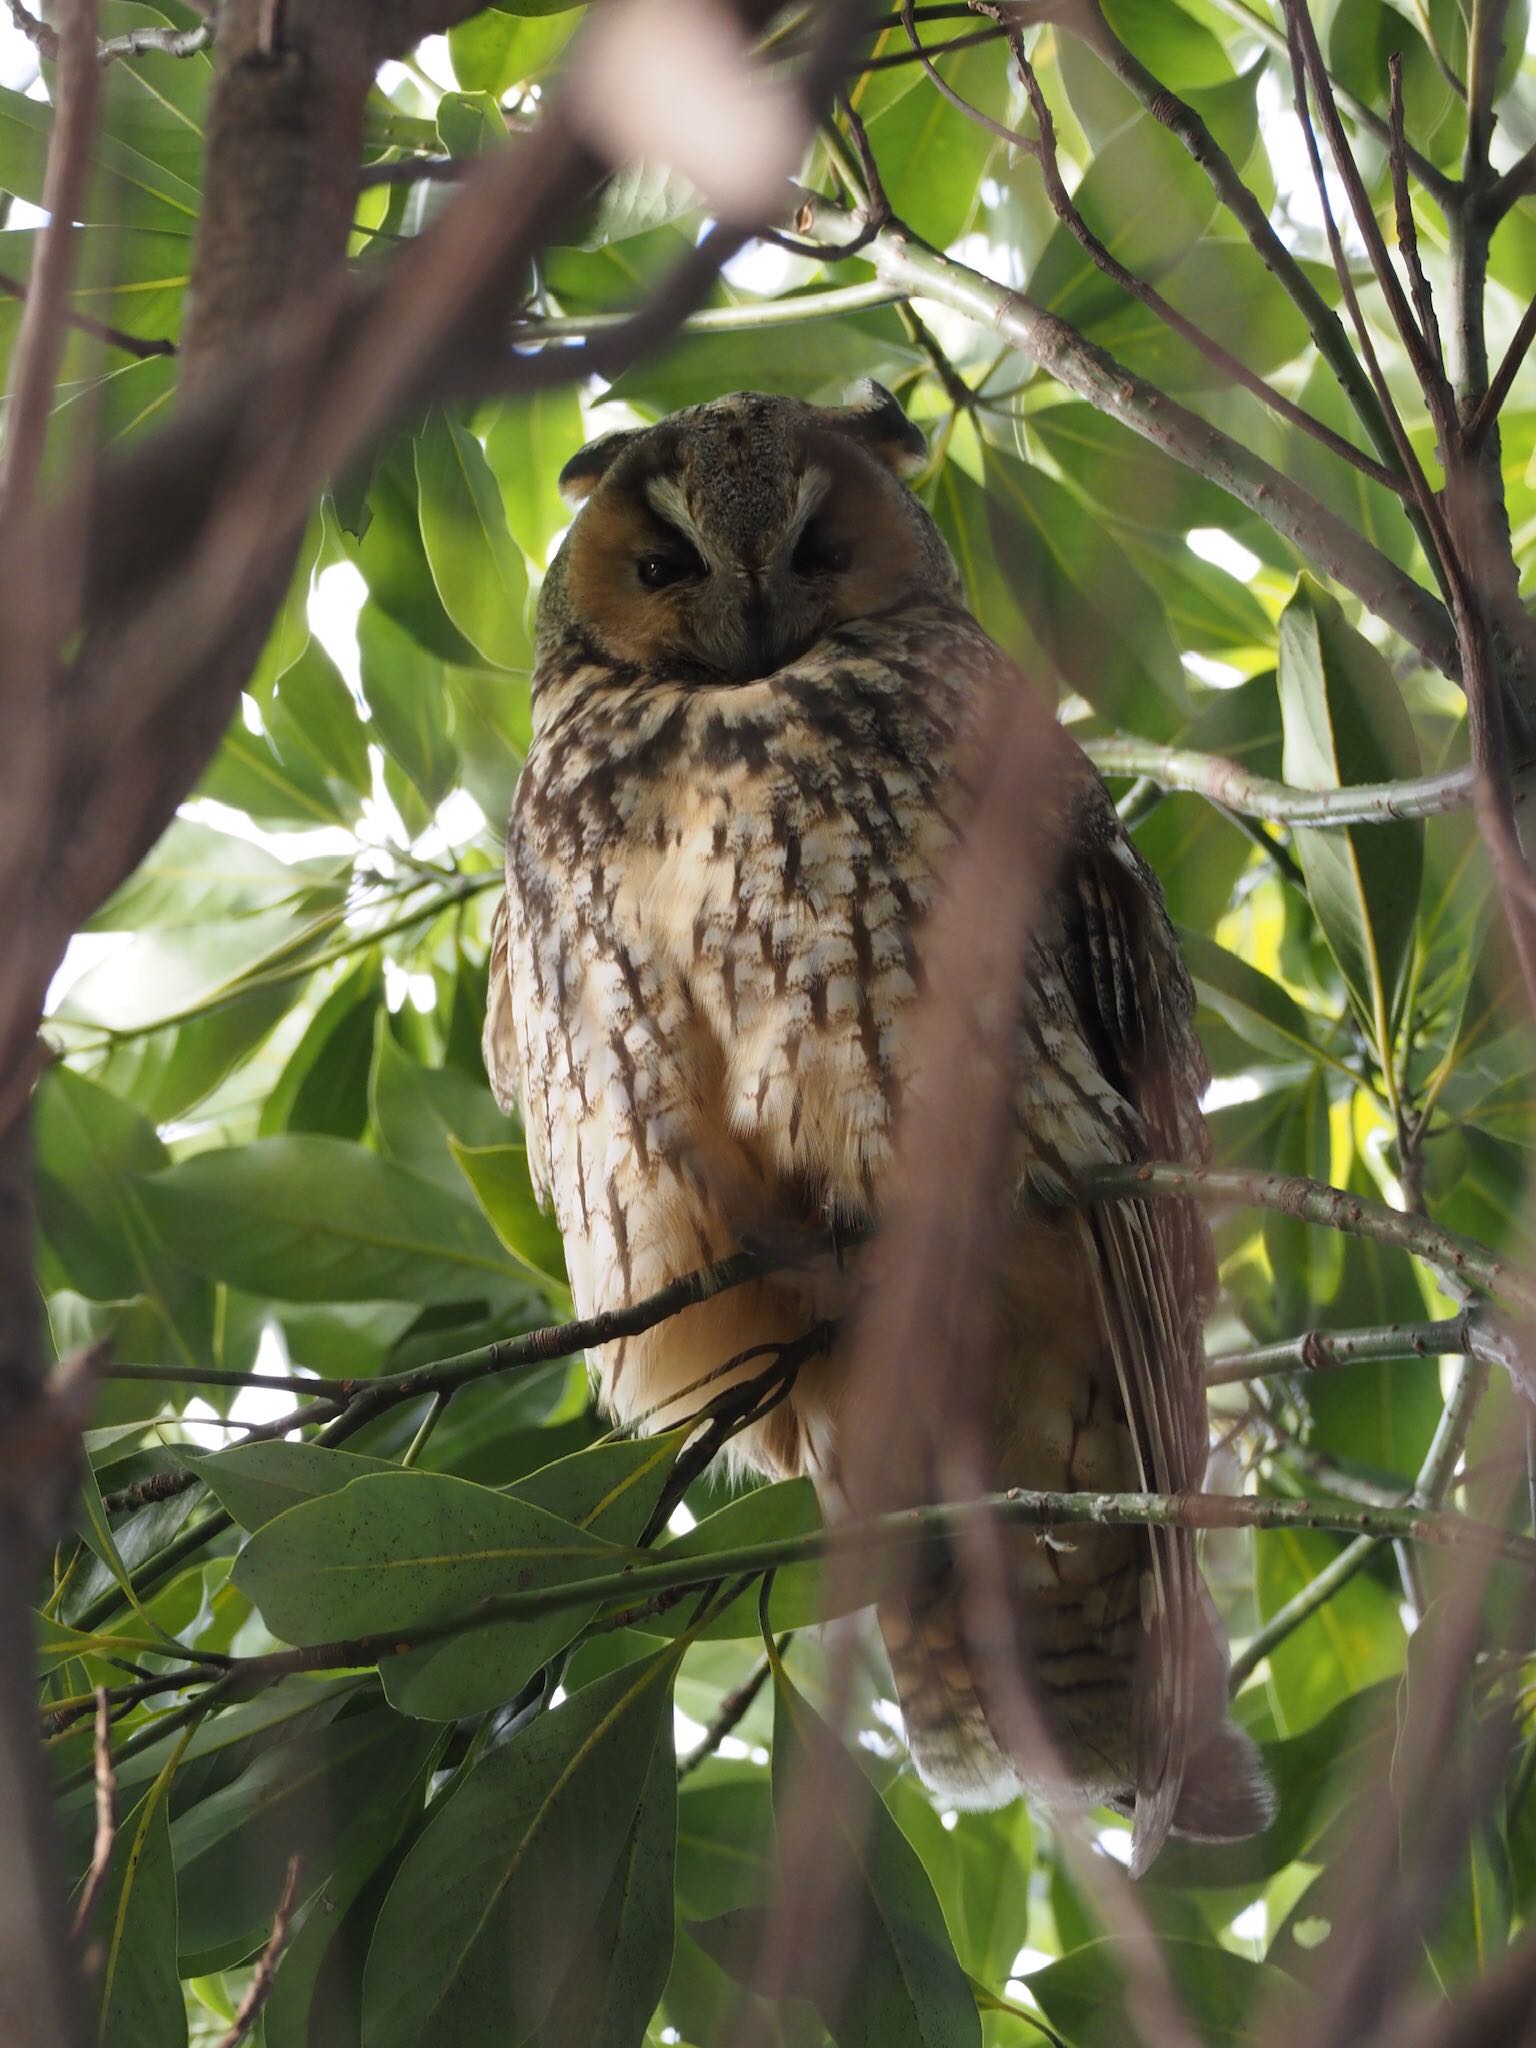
(756, 690)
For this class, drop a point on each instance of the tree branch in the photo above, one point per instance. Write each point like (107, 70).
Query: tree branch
(1327, 1350)
(1334, 547)
(1237, 788)
(1313, 1201)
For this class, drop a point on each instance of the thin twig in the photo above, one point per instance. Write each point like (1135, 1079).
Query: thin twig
(259, 1990)
(734, 1709)
(1492, 401)
(1510, 189)
(1407, 232)
(115, 337)
(106, 1816)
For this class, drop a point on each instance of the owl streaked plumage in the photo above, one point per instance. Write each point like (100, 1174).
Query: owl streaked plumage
(757, 688)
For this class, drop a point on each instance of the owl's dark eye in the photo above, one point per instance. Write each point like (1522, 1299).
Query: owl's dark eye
(674, 564)
(817, 553)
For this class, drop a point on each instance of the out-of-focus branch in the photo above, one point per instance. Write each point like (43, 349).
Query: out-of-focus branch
(1327, 541)
(1237, 788)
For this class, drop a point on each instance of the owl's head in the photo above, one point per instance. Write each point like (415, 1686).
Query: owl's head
(726, 540)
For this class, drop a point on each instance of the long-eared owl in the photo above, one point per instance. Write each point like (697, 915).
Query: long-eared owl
(756, 686)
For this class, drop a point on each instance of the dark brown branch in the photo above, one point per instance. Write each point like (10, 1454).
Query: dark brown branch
(115, 337)
(1408, 234)
(734, 1709)
(1516, 184)
(1491, 404)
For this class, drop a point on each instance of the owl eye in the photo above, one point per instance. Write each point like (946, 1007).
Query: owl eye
(671, 565)
(817, 553)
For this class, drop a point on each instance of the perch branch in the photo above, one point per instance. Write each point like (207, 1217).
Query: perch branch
(1237, 788)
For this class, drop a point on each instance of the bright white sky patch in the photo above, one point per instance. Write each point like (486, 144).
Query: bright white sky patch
(336, 598)
(1211, 544)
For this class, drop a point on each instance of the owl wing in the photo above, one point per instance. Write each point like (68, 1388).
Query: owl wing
(1150, 1261)
(499, 1042)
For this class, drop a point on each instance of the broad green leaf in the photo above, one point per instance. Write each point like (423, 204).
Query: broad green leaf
(798, 1598)
(1345, 723)
(1083, 1995)
(499, 48)
(518, 1862)
(1255, 1006)
(892, 1975)
(92, 1151)
(138, 1997)
(1224, 288)
(478, 571)
(817, 359)
(127, 188)
(307, 1797)
(529, 442)
(402, 1550)
(1361, 38)
(620, 1969)
(316, 1219)
(419, 1112)
(1146, 200)
(499, 1176)
(1059, 561)
(633, 201)
(1124, 474)
(324, 1086)
(932, 158)
(408, 702)
(470, 123)
(393, 558)
(258, 1482)
(1352, 1641)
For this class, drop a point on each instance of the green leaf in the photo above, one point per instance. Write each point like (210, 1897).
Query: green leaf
(1257, 1008)
(1060, 561)
(310, 1796)
(499, 1176)
(402, 1550)
(892, 1974)
(315, 1219)
(1352, 1641)
(1083, 1995)
(620, 1969)
(139, 2001)
(478, 571)
(798, 1599)
(817, 360)
(258, 1482)
(470, 123)
(1148, 202)
(519, 1861)
(529, 441)
(634, 201)
(92, 1151)
(408, 702)
(324, 1086)
(1345, 723)
(393, 558)
(420, 1112)
(127, 188)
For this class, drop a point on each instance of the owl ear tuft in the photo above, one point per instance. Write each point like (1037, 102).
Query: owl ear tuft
(874, 416)
(588, 466)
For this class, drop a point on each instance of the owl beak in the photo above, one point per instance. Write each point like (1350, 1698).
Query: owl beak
(769, 638)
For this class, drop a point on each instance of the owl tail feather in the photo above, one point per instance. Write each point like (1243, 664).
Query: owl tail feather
(1224, 1794)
